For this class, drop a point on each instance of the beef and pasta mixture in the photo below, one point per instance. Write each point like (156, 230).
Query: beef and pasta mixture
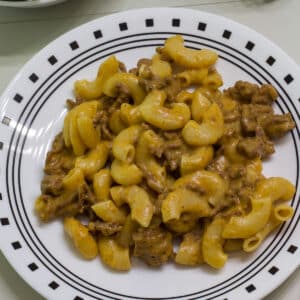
(162, 152)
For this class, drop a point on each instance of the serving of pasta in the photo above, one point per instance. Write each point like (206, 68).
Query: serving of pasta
(160, 153)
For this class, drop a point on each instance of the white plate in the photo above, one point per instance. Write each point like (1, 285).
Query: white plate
(30, 3)
(32, 111)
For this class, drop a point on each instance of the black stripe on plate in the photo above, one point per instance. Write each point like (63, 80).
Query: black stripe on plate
(273, 270)
(270, 60)
(52, 60)
(98, 34)
(250, 288)
(176, 22)
(123, 26)
(74, 45)
(288, 78)
(4, 221)
(18, 98)
(202, 26)
(33, 78)
(250, 45)
(292, 249)
(33, 267)
(53, 285)
(16, 245)
(6, 120)
(226, 34)
(149, 22)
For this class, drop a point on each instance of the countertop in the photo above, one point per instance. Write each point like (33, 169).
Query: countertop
(23, 32)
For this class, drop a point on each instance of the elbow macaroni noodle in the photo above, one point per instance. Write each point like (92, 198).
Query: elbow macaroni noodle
(123, 144)
(192, 77)
(125, 174)
(162, 160)
(116, 124)
(102, 182)
(94, 160)
(190, 249)
(114, 255)
(206, 133)
(79, 131)
(93, 89)
(196, 159)
(245, 226)
(130, 114)
(212, 244)
(154, 112)
(184, 201)
(130, 82)
(109, 212)
(205, 182)
(146, 160)
(191, 59)
(138, 200)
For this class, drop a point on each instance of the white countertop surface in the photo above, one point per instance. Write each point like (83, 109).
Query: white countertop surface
(23, 32)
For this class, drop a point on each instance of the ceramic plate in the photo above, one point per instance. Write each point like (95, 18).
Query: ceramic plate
(30, 3)
(32, 110)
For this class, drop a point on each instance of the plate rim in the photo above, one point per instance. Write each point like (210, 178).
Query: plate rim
(31, 4)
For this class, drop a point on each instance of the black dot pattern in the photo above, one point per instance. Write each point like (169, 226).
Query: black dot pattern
(270, 60)
(273, 270)
(6, 121)
(250, 288)
(16, 245)
(249, 46)
(0, 196)
(98, 34)
(1, 147)
(53, 285)
(74, 45)
(123, 26)
(18, 98)
(202, 26)
(4, 221)
(33, 267)
(292, 249)
(176, 22)
(52, 60)
(33, 77)
(78, 298)
(288, 78)
(149, 22)
(226, 34)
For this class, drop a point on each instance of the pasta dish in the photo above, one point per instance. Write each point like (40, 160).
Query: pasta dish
(159, 153)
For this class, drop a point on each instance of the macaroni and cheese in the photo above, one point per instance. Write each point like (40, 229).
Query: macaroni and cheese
(161, 152)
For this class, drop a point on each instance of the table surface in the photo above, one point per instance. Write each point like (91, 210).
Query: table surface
(26, 31)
